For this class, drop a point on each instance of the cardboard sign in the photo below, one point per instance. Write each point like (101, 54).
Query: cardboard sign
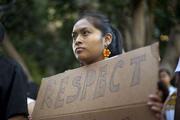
(111, 89)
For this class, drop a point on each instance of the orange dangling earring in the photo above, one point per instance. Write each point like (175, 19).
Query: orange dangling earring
(106, 52)
(81, 64)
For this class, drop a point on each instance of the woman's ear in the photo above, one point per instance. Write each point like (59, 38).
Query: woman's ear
(108, 39)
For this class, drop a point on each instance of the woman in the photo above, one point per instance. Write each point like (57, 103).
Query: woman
(94, 39)
(92, 34)
(165, 77)
(169, 105)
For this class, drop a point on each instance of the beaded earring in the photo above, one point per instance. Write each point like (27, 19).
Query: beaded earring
(106, 53)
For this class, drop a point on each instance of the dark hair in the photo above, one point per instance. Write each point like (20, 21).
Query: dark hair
(102, 23)
(165, 70)
(2, 30)
(162, 87)
(32, 90)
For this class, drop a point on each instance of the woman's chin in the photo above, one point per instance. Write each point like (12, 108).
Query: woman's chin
(82, 59)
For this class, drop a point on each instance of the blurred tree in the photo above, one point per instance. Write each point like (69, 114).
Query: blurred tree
(142, 22)
(12, 52)
(171, 27)
(41, 30)
(8, 10)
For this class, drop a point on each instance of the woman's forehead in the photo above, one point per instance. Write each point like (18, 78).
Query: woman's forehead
(81, 24)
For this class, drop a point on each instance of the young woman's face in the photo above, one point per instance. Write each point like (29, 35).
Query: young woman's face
(165, 78)
(88, 43)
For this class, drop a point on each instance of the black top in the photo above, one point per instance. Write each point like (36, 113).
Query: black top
(13, 89)
(2, 31)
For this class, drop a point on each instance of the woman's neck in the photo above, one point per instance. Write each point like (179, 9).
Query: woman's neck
(94, 60)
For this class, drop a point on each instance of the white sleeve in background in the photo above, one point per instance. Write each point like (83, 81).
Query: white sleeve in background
(29, 100)
(172, 89)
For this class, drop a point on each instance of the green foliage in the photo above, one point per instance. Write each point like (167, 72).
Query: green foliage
(46, 52)
(166, 17)
(41, 29)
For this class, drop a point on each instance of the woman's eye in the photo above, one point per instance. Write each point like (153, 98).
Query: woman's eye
(85, 33)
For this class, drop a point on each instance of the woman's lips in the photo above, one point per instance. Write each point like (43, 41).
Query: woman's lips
(79, 49)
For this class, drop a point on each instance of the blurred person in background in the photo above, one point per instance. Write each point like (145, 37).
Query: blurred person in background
(164, 110)
(13, 88)
(165, 77)
(177, 106)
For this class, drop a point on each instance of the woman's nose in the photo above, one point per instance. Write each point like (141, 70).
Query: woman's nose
(78, 40)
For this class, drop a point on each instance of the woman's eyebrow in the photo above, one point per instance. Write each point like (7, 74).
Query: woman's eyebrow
(84, 28)
(80, 29)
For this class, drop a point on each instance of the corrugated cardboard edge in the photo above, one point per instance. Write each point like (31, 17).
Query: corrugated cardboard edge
(96, 111)
(40, 91)
(154, 49)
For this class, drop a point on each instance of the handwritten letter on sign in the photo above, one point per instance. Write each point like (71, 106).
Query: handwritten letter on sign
(112, 89)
